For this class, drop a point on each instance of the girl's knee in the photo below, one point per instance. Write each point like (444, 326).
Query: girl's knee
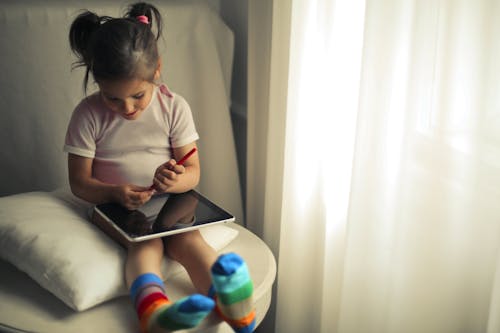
(146, 247)
(179, 244)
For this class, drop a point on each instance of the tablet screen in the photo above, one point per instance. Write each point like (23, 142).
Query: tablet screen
(163, 215)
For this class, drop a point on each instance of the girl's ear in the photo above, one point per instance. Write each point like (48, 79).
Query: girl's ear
(158, 70)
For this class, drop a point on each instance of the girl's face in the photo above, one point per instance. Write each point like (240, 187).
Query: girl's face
(128, 98)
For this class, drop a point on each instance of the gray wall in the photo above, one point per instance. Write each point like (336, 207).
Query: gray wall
(235, 15)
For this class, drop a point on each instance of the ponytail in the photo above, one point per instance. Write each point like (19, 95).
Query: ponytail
(80, 38)
(153, 15)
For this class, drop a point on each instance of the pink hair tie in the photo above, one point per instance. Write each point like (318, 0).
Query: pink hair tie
(143, 19)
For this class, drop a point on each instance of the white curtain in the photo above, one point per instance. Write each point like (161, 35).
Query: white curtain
(390, 202)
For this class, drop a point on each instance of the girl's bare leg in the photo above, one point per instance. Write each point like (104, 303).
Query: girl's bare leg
(192, 251)
(155, 311)
(143, 257)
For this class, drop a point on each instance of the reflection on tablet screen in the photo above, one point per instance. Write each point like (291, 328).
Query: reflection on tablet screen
(177, 212)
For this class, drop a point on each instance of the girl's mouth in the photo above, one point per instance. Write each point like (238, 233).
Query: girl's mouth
(131, 114)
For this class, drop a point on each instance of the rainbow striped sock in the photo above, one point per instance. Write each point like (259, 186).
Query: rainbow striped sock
(233, 292)
(157, 313)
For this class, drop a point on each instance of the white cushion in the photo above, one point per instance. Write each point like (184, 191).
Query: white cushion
(48, 236)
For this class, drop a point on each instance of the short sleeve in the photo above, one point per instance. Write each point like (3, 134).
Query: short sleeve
(183, 129)
(81, 133)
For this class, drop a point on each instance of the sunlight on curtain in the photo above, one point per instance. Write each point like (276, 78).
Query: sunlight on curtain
(322, 101)
(390, 219)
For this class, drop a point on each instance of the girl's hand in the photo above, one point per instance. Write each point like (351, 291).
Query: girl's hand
(167, 176)
(133, 196)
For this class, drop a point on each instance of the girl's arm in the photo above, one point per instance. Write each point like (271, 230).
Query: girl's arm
(84, 186)
(173, 178)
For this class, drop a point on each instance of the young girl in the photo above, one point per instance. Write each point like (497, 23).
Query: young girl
(123, 143)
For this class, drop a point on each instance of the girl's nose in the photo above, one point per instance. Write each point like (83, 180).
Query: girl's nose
(128, 106)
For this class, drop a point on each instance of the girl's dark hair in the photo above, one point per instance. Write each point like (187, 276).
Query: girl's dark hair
(117, 48)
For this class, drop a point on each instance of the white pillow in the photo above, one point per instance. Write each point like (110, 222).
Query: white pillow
(48, 236)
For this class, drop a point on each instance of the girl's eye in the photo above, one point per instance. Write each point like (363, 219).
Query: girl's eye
(139, 96)
(112, 99)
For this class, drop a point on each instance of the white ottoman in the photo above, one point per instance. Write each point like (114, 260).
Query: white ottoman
(26, 307)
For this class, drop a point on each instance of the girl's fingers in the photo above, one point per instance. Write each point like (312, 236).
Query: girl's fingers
(178, 169)
(166, 172)
(138, 197)
(165, 176)
(170, 164)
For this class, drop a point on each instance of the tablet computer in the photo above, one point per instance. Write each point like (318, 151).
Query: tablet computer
(163, 215)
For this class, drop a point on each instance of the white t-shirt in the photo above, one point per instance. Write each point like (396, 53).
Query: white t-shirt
(129, 151)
